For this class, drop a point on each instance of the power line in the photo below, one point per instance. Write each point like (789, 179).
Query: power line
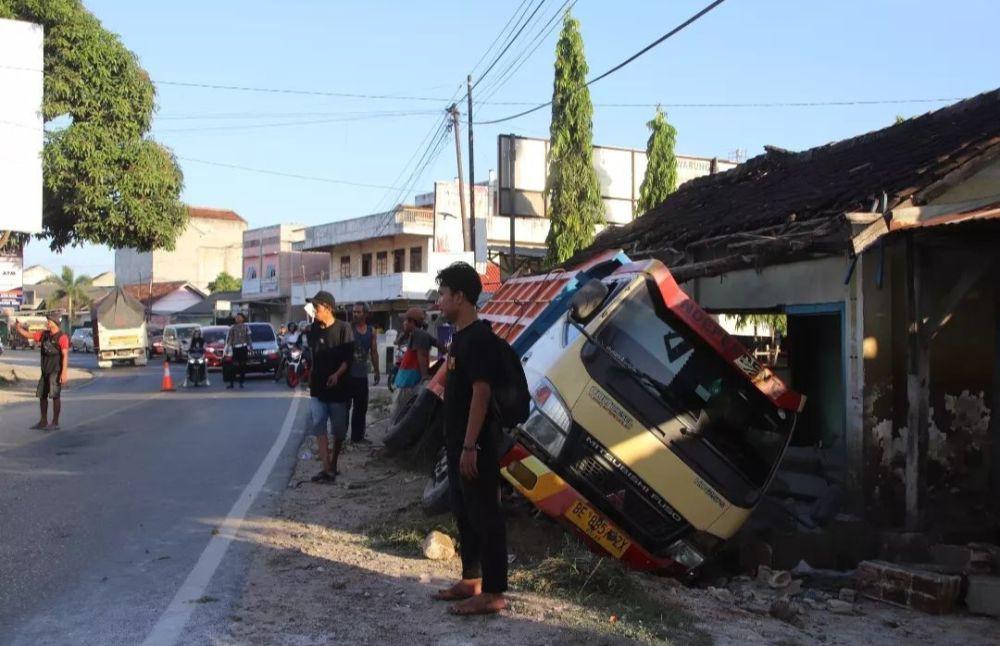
(525, 54)
(262, 171)
(499, 35)
(508, 45)
(343, 95)
(619, 66)
(297, 123)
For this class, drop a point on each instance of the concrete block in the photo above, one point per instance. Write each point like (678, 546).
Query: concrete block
(983, 597)
(930, 592)
(974, 558)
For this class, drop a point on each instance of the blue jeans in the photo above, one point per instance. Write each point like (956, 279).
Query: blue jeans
(335, 412)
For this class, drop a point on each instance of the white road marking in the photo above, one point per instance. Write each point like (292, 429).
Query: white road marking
(171, 624)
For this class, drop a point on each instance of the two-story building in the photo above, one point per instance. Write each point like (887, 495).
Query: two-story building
(271, 262)
(211, 243)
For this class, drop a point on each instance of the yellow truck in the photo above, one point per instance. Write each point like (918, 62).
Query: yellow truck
(119, 323)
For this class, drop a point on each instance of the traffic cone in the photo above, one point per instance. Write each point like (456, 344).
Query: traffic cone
(168, 383)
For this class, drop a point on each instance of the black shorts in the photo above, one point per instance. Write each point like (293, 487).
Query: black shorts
(48, 386)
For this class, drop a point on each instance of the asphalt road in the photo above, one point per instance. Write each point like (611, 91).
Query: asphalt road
(103, 521)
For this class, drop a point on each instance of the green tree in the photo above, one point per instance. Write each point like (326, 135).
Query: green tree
(661, 169)
(225, 283)
(574, 194)
(104, 180)
(71, 291)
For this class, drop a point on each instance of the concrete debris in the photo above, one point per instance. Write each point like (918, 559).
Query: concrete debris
(930, 592)
(787, 611)
(774, 579)
(983, 597)
(974, 558)
(840, 607)
(722, 595)
(847, 594)
(438, 546)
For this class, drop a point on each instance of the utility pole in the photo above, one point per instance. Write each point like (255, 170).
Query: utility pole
(461, 183)
(472, 176)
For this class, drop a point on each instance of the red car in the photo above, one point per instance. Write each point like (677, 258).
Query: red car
(215, 344)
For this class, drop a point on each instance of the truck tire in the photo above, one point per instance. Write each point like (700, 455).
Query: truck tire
(411, 423)
(437, 493)
(426, 451)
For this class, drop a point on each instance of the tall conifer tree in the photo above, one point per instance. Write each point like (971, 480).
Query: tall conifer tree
(661, 170)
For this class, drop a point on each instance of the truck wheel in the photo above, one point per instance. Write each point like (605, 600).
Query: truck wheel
(426, 451)
(437, 495)
(411, 423)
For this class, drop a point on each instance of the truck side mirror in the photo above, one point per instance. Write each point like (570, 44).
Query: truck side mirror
(587, 300)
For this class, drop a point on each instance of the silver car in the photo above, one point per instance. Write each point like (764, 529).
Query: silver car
(82, 340)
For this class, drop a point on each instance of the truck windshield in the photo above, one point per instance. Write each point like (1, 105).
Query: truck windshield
(717, 408)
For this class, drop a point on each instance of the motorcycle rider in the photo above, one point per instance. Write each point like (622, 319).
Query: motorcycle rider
(197, 342)
(292, 336)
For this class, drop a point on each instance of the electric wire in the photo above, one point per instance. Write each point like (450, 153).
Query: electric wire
(262, 171)
(510, 42)
(619, 66)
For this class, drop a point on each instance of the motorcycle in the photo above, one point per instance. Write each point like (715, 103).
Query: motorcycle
(197, 370)
(294, 366)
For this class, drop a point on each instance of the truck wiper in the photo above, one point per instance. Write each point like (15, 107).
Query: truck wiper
(650, 384)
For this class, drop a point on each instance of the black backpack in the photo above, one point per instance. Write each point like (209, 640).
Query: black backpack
(511, 399)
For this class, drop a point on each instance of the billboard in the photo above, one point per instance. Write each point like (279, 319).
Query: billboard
(21, 134)
(523, 169)
(11, 280)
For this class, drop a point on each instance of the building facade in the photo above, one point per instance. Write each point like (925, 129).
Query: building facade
(211, 243)
(271, 265)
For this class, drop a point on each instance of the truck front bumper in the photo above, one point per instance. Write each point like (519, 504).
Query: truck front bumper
(564, 504)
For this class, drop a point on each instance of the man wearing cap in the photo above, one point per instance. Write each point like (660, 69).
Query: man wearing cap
(238, 338)
(331, 343)
(415, 364)
(55, 368)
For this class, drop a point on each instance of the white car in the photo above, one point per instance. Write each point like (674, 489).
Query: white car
(82, 340)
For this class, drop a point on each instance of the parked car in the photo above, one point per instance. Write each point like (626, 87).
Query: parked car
(82, 340)
(264, 352)
(175, 340)
(215, 344)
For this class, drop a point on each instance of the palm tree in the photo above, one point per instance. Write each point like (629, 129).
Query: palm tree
(71, 288)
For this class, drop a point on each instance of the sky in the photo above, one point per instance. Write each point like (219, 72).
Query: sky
(743, 52)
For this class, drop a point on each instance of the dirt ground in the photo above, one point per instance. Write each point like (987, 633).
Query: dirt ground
(341, 564)
(18, 382)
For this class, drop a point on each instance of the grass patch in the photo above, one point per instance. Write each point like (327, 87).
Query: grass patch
(615, 600)
(403, 535)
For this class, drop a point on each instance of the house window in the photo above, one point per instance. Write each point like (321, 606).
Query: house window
(345, 266)
(399, 261)
(366, 264)
(416, 259)
(382, 263)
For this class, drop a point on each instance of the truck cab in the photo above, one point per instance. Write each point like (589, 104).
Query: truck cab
(653, 433)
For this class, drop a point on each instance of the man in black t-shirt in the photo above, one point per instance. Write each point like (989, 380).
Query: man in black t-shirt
(472, 446)
(331, 343)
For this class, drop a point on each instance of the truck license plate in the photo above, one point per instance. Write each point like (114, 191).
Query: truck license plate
(596, 527)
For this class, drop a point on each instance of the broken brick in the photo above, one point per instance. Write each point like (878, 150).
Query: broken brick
(930, 592)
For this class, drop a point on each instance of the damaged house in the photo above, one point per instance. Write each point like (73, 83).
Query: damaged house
(882, 251)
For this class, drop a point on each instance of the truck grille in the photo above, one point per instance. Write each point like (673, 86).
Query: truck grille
(611, 491)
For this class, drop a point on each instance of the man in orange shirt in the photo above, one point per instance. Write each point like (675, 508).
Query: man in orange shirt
(55, 368)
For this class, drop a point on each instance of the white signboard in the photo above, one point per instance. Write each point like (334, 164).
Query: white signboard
(21, 134)
(523, 168)
(11, 290)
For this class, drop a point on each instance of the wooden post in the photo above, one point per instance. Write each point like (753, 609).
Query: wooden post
(461, 182)
(472, 178)
(994, 432)
(917, 389)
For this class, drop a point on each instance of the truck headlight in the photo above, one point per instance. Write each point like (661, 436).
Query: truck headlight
(685, 553)
(550, 420)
